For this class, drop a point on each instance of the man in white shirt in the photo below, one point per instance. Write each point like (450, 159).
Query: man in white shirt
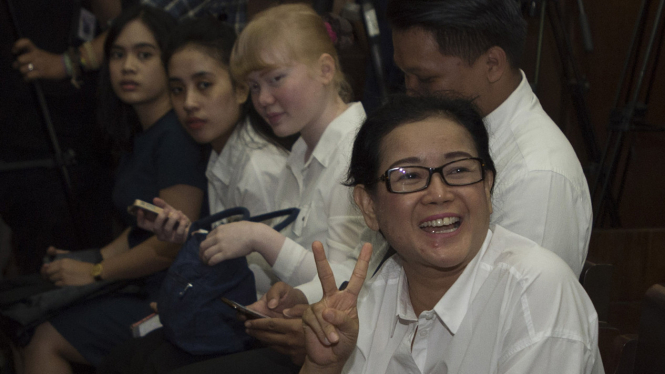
(443, 46)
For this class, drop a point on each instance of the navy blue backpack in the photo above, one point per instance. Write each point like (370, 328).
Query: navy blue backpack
(190, 309)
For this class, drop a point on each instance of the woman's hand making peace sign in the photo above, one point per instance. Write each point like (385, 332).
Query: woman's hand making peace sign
(331, 325)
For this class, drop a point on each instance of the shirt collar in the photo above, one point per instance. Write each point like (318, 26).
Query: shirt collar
(513, 104)
(453, 306)
(221, 166)
(403, 308)
(335, 132)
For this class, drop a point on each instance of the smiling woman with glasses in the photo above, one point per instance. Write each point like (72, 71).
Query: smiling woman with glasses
(459, 295)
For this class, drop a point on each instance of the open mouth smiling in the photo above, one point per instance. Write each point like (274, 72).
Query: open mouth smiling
(441, 225)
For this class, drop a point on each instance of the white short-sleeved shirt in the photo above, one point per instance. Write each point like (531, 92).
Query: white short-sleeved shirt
(516, 308)
(245, 174)
(540, 190)
(327, 212)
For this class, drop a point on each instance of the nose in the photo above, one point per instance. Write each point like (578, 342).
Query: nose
(265, 97)
(129, 64)
(191, 101)
(438, 191)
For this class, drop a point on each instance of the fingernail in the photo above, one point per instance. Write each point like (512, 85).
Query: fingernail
(326, 341)
(333, 337)
(248, 324)
(272, 304)
(286, 312)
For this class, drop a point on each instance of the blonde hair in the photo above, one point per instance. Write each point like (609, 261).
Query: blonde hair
(291, 32)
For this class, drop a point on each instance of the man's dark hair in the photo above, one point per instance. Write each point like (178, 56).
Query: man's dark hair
(402, 109)
(464, 28)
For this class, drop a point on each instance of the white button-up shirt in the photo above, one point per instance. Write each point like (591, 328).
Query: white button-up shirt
(516, 308)
(245, 174)
(327, 211)
(540, 190)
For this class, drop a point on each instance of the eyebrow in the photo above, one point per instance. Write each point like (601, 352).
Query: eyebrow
(415, 160)
(136, 46)
(199, 74)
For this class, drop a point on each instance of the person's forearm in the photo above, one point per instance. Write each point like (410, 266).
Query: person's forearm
(117, 246)
(146, 258)
(267, 242)
(93, 52)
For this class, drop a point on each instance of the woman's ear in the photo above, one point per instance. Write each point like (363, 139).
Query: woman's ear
(327, 68)
(489, 182)
(365, 202)
(241, 93)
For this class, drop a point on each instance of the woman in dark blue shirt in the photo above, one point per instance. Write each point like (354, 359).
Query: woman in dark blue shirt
(156, 158)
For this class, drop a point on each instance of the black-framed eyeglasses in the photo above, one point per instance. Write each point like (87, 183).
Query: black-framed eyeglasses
(407, 179)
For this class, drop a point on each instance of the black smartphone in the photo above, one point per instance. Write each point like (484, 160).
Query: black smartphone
(250, 314)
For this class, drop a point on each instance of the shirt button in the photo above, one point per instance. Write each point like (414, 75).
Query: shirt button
(429, 316)
(423, 333)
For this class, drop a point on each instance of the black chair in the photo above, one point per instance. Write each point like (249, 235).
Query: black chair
(650, 356)
(644, 353)
(597, 282)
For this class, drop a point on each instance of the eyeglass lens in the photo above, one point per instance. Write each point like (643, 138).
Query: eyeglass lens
(414, 178)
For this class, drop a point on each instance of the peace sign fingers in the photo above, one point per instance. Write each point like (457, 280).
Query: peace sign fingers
(360, 270)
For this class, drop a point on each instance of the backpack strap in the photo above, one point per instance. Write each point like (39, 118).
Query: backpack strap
(290, 213)
(207, 222)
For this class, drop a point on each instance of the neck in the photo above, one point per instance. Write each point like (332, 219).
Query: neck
(312, 133)
(219, 143)
(501, 90)
(428, 285)
(148, 113)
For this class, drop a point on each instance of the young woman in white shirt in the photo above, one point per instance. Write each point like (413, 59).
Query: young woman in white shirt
(246, 157)
(287, 58)
(459, 295)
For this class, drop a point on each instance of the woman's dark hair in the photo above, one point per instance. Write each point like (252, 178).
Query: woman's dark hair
(465, 28)
(216, 39)
(117, 118)
(400, 110)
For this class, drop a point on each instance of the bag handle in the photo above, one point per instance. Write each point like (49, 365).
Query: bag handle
(207, 222)
(290, 213)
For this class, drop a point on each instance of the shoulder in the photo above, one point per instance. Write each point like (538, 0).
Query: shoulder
(169, 134)
(541, 296)
(525, 143)
(246, 146)
(342, 131)
(525, 260)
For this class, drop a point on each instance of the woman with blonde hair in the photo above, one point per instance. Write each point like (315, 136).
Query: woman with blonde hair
(286, 57)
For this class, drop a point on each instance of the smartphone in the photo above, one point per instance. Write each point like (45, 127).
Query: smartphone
(151, 211)
(250, 314)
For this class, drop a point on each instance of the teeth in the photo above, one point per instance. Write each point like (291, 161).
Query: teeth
(440, 222)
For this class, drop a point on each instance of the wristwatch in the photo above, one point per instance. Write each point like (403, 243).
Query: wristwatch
(96, 271)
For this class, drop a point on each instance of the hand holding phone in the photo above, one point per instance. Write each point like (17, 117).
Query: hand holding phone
(151, 211)
(250, 314)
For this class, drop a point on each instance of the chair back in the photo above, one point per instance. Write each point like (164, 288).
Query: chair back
(650, 358)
